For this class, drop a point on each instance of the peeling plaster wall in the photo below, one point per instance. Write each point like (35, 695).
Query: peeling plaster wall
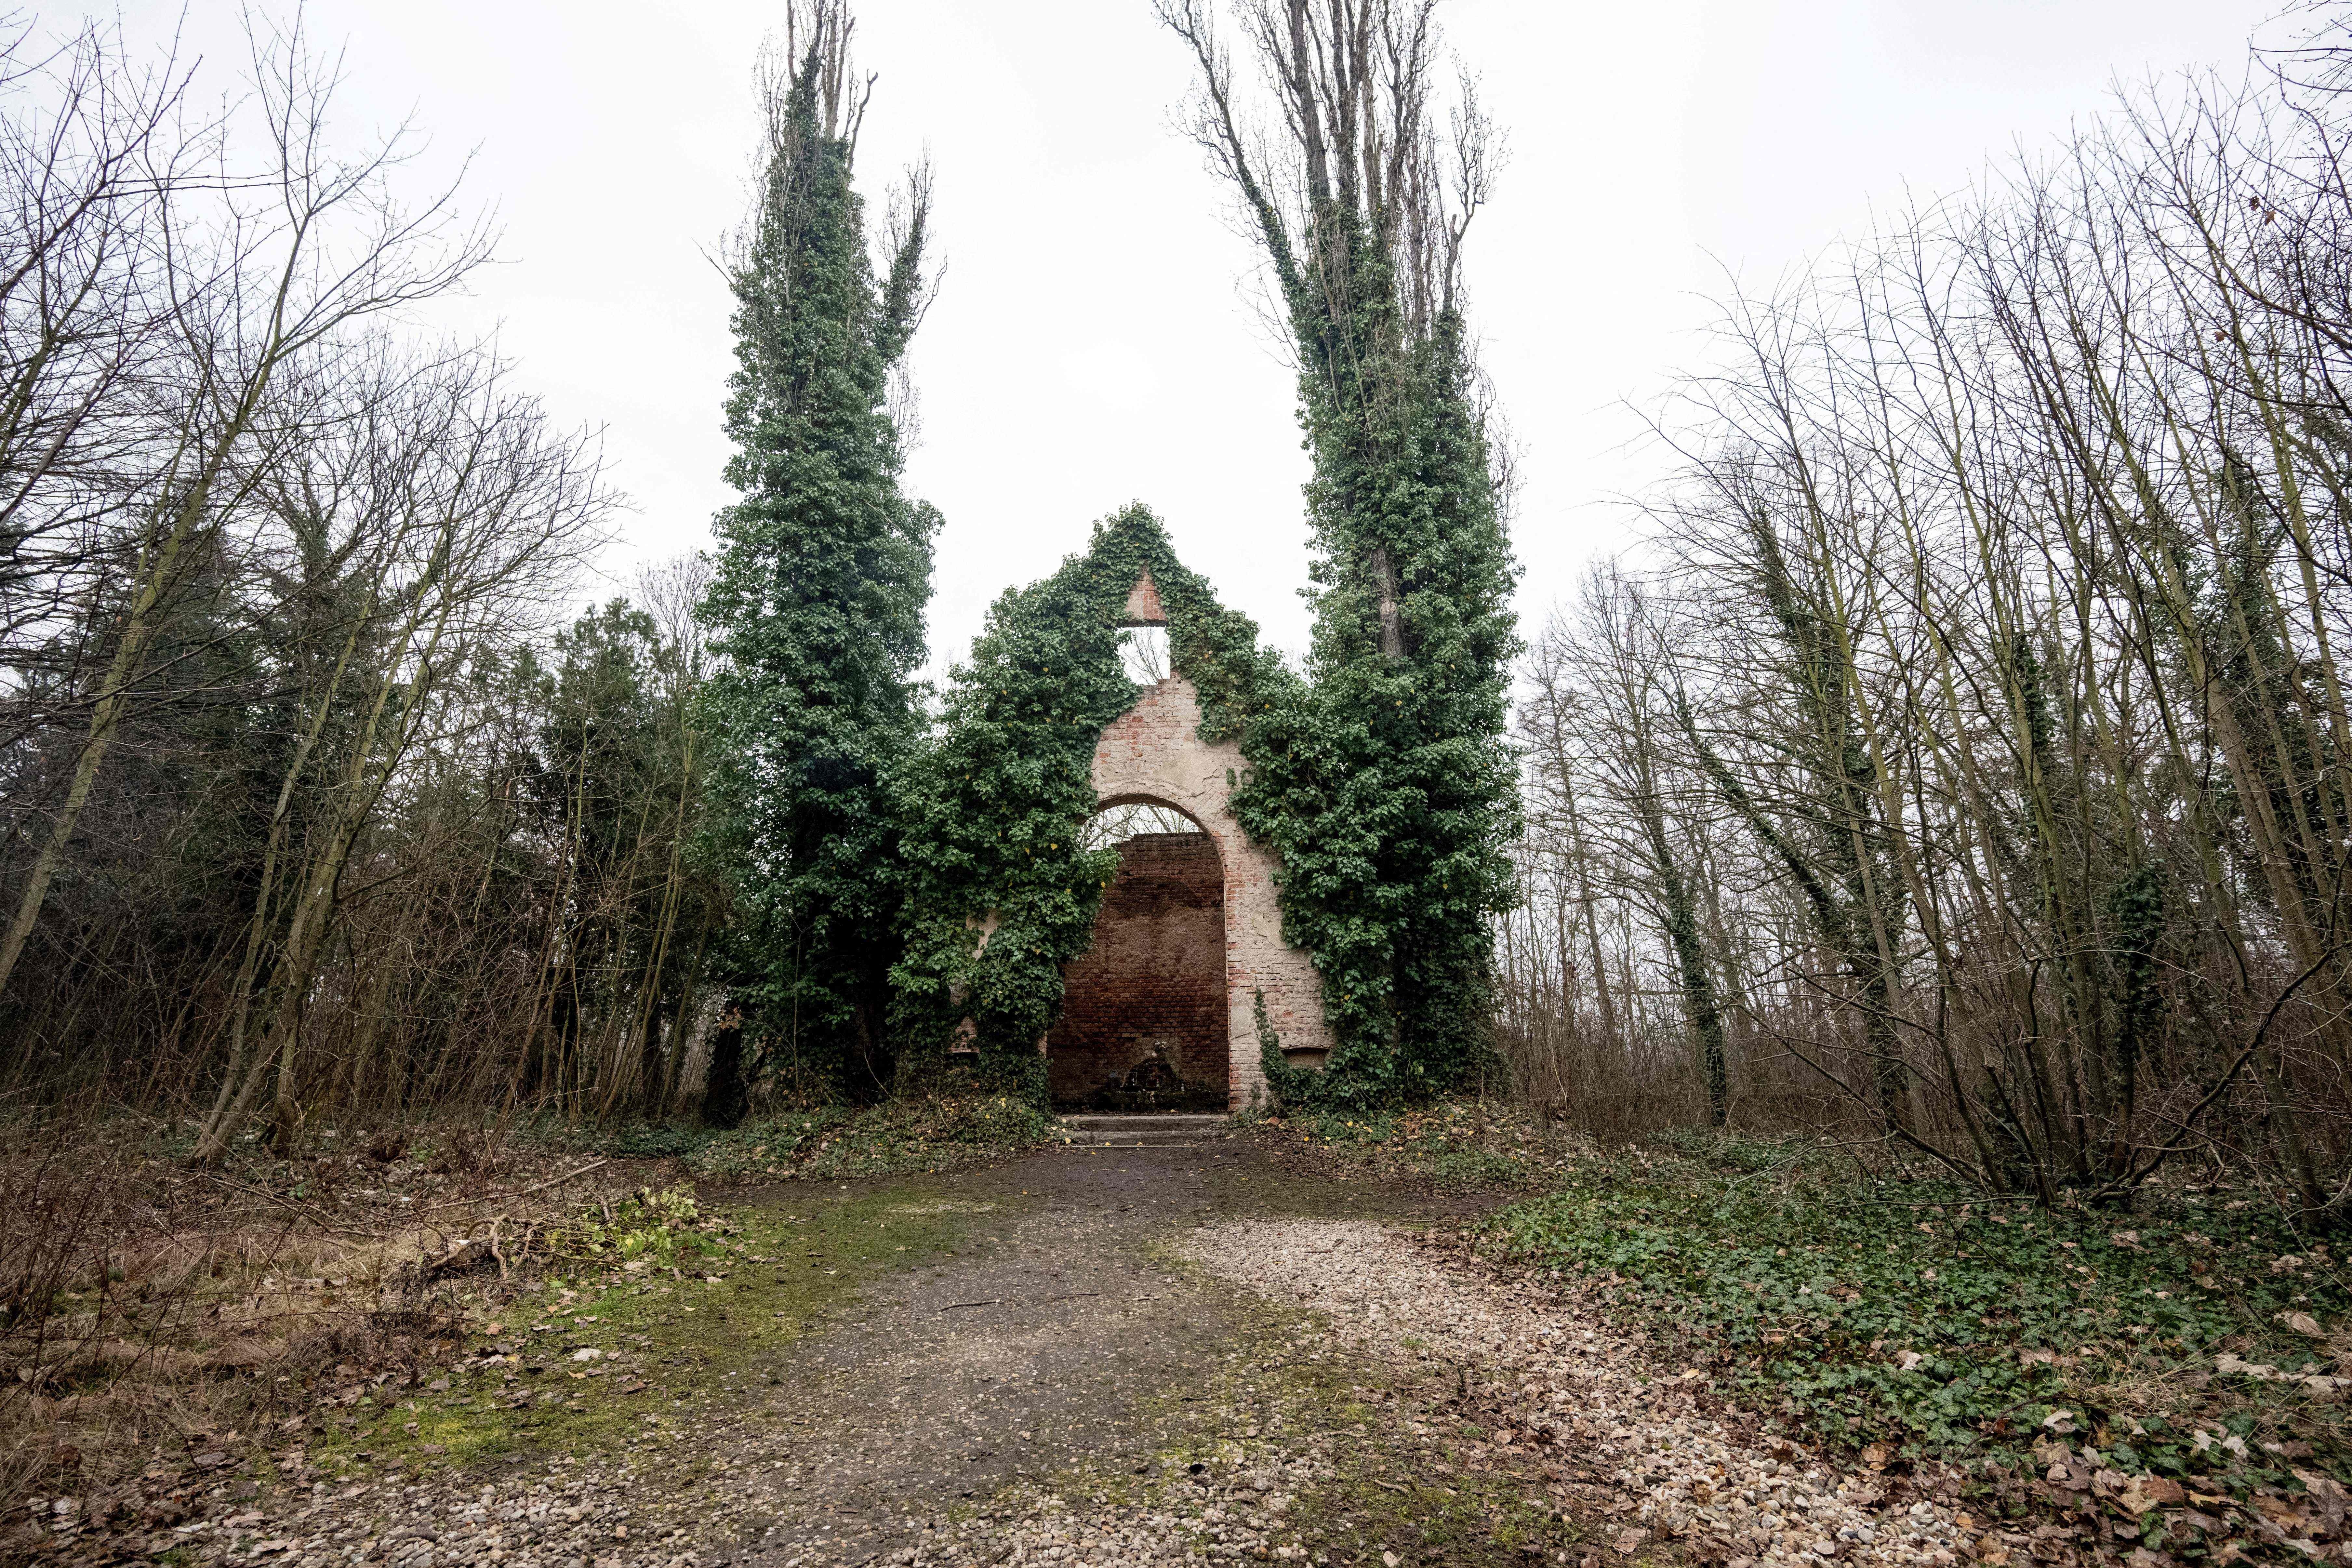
(1154, 752)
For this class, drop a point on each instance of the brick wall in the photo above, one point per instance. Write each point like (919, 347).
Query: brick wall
(1144, 1017)
(1154, 752)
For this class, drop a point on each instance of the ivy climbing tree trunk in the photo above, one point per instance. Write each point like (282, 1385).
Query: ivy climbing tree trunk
(1385, 788)
(816, 599)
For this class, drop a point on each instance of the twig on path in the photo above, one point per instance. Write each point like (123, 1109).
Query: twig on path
(1043, 1301)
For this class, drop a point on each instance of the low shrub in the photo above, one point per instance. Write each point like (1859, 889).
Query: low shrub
(899, 1137)
(1469, 1146)
(647, 1227)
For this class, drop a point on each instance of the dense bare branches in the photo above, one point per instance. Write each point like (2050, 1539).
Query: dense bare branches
(299, 804)
(2006, 572)
(1384, 165)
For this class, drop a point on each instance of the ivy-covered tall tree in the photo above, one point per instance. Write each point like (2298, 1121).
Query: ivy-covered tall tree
(1385, 783)
(816, 600)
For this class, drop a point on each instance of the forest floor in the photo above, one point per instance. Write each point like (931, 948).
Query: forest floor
(1126, 1356)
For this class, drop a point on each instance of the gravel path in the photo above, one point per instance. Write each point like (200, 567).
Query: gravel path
(938, 1421)
(1571, 1386)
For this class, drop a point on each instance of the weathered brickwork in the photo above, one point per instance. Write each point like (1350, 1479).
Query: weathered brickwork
(1143, 1019)
(1153, 754)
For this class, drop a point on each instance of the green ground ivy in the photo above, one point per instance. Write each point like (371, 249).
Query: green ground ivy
(1926, 1316)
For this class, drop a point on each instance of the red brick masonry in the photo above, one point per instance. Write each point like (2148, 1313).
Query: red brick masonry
(1154, 752)
(1143, 1022)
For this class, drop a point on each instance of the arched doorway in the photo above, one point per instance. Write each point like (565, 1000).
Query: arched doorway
(1145, 1013)
(1153, 755)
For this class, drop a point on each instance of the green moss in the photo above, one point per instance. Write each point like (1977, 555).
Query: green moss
(1290, 1389)
(695, 1313)
(1417, 1499)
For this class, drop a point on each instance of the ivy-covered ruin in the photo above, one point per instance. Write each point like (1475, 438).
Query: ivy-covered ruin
(936, 873)
(1001, 892)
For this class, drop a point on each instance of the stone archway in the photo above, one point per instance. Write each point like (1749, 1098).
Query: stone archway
(1153, 755)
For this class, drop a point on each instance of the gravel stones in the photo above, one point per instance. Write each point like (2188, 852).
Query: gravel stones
(1568, 1384)
(1109, 1407)
(569, 1516)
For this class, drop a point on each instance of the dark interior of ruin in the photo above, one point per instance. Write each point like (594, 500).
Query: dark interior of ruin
(1143, 1023)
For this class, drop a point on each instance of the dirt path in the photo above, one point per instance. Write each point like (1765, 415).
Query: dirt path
(1124, 1356)
(1059, 1372)
(1040, 1353)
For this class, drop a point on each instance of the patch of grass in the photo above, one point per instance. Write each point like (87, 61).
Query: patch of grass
(1928, 1319)
(683, 1305)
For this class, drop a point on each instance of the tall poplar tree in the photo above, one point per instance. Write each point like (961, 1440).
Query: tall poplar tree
(816, 601)
(1385, 783)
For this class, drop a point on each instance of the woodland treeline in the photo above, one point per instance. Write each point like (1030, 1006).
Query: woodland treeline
(309, 798)
(1958, 761)
(1961, 758)
(316, 801)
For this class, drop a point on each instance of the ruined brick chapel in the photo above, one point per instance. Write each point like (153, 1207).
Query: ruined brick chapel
(1160, 1012)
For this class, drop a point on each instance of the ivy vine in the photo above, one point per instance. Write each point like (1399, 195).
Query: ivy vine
(1384, 783)
(1001, 892)
(815, 604)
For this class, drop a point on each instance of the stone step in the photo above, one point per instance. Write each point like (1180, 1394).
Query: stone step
(1141, 1131)
(1144, 1121)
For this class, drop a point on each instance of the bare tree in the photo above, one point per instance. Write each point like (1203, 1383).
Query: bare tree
(261, 270)
(2005, 561)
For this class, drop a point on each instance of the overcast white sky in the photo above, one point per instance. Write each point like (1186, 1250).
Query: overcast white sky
(1095, 341)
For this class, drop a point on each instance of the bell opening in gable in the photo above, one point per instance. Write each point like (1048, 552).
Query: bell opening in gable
(1143, 653)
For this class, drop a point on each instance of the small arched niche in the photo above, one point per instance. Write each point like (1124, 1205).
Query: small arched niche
(1146, 1014)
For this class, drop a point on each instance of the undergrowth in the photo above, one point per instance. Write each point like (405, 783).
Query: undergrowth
(2202, 1339)
(651, 1309)
(1467, 1146)
(159, 1323)
(914, 1135)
